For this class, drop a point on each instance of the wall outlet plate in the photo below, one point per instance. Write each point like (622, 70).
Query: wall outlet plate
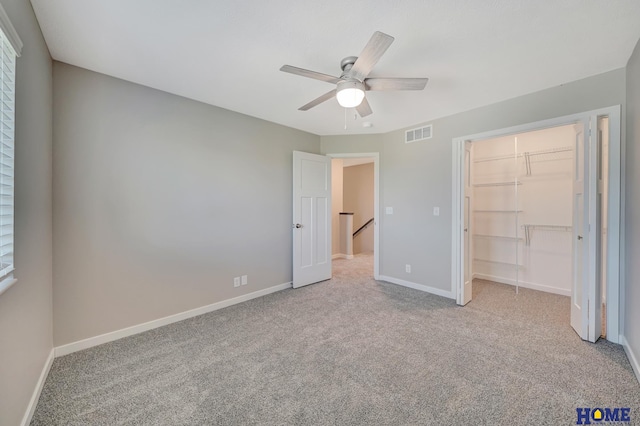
(236, 282)
(244, 280)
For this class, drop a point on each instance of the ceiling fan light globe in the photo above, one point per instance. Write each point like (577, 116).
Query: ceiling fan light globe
(350, 93)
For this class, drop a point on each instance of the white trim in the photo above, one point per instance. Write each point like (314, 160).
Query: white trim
(523, 284)
(416, 286)
(341, 256)
(376, 202)
(633, 359)
(140, 328)
(457, 220)
(35, 396)
(6, 283)
(616, 183)
(10, 32)
(615, 236)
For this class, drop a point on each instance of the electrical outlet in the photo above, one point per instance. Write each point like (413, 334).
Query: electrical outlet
(388, 210)
(244, 280)
(407, 269)
(236, 282)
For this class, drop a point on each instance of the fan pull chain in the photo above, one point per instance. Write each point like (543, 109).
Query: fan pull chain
(345, 119)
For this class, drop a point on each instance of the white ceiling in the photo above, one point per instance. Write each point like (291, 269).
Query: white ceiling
(228, 53)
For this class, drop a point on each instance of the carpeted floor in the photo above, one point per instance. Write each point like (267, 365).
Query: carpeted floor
(349, 351)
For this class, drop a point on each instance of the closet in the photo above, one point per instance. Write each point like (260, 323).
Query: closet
(522, 209)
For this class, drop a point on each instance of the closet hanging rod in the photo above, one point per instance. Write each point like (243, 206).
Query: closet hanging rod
(550, 151)
(528, 228)
(522, 154)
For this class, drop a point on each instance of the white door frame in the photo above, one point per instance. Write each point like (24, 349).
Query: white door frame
(614, 237)
(376, 202)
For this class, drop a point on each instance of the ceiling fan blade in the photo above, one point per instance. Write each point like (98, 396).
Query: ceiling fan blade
(319, 100)
(364, 108)
(395, 83)
(370, 55)
(311, 74)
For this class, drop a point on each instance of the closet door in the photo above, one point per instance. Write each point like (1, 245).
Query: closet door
(585, 295)
(468, 225)
(579, 299)
(595, 230)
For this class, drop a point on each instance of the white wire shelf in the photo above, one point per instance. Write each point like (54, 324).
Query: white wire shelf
(529, 228)
(495, 262)
(508, 183)
(498, 211)
(539, 153)
(497, 237)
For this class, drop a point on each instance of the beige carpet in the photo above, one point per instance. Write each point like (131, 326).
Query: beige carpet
(349, 351)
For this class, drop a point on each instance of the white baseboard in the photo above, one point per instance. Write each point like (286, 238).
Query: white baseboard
(421, 287)
(633, 359)
(523, 284)
(33, 402)
(129, 331)
(341, 256)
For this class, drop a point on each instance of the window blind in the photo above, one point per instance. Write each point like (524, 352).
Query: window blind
(7, 153)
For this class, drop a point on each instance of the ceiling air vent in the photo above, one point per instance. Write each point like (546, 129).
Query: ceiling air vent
(419, 134)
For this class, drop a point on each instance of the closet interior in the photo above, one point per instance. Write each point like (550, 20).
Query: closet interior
(522, 209)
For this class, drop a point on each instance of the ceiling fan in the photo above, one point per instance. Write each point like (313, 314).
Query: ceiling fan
(353, 81)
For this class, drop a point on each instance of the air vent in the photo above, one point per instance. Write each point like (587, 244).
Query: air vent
(419, 134)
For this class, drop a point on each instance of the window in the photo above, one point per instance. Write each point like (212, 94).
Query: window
(10, 47)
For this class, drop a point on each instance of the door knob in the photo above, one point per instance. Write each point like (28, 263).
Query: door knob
(298, 225)
(579, 237)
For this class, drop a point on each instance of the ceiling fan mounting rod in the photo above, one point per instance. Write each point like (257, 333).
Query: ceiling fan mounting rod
(347, 63)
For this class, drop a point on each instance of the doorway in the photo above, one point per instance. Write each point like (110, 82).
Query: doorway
(312, 216)
(591, 234)
(355, 207)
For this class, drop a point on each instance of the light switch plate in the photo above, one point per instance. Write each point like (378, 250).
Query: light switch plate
(436, 211)
(388, 210)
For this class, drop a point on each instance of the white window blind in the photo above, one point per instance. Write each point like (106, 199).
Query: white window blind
(7, 154)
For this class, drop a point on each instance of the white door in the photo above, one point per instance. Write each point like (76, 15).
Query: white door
(586, 317)
(579, 298)
(595, 230)
(312, 218)
(465, 296)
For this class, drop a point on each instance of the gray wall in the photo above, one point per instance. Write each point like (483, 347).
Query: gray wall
(25, 309)
(358, 199)
(416, 177)
(631, 298)
(159, 201)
